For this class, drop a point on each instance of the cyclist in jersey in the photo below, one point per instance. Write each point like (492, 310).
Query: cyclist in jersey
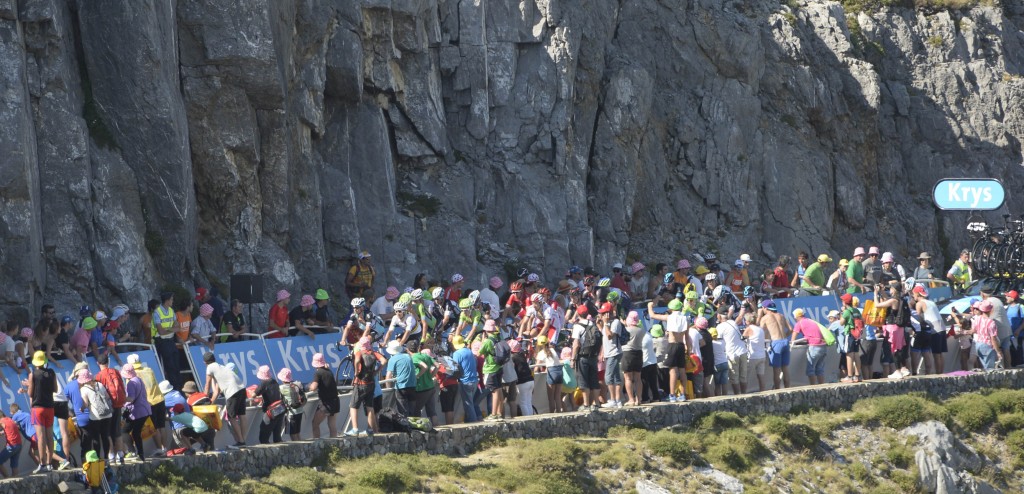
(735, 279)
(358, 323)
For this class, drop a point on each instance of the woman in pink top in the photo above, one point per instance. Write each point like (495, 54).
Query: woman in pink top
(816, 347)
(986, 337)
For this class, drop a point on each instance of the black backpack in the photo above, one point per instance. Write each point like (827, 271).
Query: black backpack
(590, 346)
(391, 420)
(903, 315)
(502, 352)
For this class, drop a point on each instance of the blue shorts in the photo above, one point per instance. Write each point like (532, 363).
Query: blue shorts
(816, 360)
(612, 372)
(778, 353)
(722, 374)
(12, 454)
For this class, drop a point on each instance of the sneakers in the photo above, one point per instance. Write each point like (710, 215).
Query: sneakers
(67, 464)
(131, 457)
(671, 398)
(494, 418)
(160, 452)
(905, 372)
(190, 452)
(611, 404)
(237, 446)
(896, 375)
(120, 457)
(39, 469)
(352, 432)
(846, 380)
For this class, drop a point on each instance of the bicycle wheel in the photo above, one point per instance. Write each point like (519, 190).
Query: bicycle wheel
(346, 372)
(979, 255)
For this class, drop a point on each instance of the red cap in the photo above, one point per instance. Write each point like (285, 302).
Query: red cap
(846, 298)
(920, 290)
(200, 293)
(178, 408)
(606, 308)
(1012, 294)
(582, 310)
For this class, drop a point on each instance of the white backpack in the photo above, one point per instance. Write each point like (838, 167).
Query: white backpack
(102, 406)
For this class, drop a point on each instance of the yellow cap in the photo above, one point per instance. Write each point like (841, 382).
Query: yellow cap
(39, 358)
(824, 258)
(458, 342)
(798, 313)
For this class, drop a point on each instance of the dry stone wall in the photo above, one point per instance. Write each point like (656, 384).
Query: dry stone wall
(461, 439)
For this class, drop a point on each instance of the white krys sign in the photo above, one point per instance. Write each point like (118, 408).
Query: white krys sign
(969, 194)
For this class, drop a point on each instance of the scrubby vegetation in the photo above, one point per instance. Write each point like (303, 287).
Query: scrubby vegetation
(855, 451)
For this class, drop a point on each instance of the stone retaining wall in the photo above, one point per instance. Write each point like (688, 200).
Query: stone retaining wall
(461, 439)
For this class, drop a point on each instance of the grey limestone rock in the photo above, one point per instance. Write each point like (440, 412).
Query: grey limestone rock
(156, 143)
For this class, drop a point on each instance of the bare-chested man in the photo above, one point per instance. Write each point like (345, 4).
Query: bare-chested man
(778, 329)
(676, 329)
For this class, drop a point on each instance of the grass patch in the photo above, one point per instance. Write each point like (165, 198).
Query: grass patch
(908, 482)
(1006, 400)
(972, 411)
(795, 435)
(620, 456)
(168, 477)
(737, 450)
(935, 41)
(680, 448)
(720, 421)
(632, 432)
(1015, 444)
(899, 455)
(1009, 422)
(899, 412)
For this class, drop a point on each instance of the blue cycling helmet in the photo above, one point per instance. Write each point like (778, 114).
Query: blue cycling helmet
(85, 311)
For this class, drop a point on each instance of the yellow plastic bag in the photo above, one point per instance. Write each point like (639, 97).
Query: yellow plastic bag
(148, 429)
(210, 414)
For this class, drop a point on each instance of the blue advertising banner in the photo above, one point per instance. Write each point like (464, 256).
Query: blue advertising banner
(247, 356)
(146, 355)
(296, 353)
(816, 308)
(9, 392)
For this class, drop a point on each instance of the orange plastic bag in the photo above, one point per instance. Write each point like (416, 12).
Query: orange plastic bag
(874, 316)
(73, 432)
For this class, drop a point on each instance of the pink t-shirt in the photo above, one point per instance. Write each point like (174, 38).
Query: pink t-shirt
(810, 330)
(984, 329)
(80, 340)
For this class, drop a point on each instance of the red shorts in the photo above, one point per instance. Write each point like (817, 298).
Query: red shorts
(42, 416)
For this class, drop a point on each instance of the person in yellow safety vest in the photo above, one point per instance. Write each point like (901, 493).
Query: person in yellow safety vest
(960, 274)
(165, 322)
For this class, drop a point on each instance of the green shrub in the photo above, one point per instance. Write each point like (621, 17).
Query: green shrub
(680, 448)
(862, 473)
(720, 421)
(801, 436)
(907, 481)
(1006, 400)
(899, 455)
(619, 456)
(736, 449)
(1015, 444)
(971, 411)
(386, 477)
(632, 432)
(1009, 422)
(899, 411)
(775, 426)
(558, 455)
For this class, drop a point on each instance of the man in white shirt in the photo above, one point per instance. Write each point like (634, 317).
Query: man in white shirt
(735, 350)
(489, 296)
(384, 305)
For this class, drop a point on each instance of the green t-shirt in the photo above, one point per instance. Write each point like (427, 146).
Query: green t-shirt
(854, 272)
(487, 350)
(815, 275)
(424, 381)
(848, 316)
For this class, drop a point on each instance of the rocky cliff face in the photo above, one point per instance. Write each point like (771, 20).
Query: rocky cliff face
(159, 142)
